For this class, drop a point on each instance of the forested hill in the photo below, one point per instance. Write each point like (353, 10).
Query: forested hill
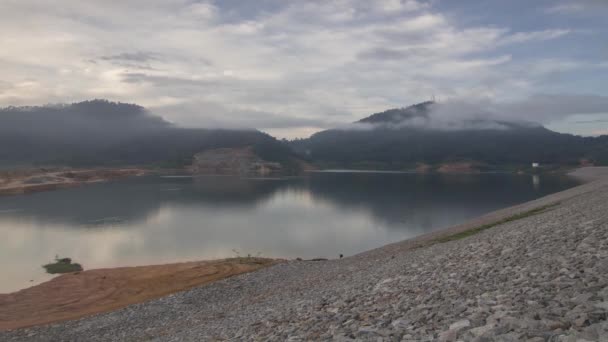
(100, 132)
(410, 135)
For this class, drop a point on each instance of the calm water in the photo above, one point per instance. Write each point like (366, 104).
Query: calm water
(153, 220)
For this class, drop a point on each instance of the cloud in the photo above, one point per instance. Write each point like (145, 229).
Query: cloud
(305, 64)
(592, 121)
(522, 37)
(132, 56)
(545, 108)
(577, 7)
(223, 117)
(566, 8)
(539, 108)
(392, 6)
(599, 132)
(382, 53)
(474, 114)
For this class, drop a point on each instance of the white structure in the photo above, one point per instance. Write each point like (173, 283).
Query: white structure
(535, 165)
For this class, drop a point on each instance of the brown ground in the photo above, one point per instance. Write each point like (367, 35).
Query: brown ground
(74, 295)
(458, 167)
(423, 168)
(34, 180)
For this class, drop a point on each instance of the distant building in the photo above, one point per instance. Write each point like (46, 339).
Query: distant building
(535, 165)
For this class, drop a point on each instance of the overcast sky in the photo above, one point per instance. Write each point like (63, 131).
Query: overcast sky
(294, 67)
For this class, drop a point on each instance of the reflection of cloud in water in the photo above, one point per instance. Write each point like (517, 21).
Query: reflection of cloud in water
(424, 202)
(28, 247)
(8, 211)
(323, 215)
(134, 200)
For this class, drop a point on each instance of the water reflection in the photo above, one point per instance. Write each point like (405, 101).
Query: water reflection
(536, 181)
(158, 220)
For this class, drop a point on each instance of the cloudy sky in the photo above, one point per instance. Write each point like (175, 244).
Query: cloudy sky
(294, 67)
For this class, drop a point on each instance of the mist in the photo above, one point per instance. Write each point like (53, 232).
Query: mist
(100, 132)
(79, 123)
(483, 114)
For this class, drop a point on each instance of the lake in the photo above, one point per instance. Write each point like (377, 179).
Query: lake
(155, 219)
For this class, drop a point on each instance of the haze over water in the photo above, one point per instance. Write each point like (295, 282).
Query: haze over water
(152, 220)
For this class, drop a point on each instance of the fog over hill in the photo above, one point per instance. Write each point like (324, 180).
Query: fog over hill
(436, 116)
(100, 132)
(431, 132)
(84, 122)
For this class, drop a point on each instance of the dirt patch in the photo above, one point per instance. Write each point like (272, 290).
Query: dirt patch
(423, 168)
(21, 182)
(458, 167)
(233, 161)
(79, 294)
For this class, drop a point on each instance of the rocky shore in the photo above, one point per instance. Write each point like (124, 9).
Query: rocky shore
(534, 272)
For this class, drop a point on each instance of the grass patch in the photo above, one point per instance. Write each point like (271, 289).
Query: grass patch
(248, 259)
(62, 265)
(479, 229)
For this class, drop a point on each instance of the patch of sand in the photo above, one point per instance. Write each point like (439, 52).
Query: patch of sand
(79, 294)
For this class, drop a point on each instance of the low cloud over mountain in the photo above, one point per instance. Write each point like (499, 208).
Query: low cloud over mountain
(295, 67)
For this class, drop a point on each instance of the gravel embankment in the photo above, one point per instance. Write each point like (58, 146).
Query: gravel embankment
(542, 277)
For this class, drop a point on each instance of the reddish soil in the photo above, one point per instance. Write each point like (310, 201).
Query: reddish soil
(79, 294)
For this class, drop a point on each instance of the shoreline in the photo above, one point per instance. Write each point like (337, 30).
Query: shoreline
(79, 294)
(32, 180)
(17, 182)
(591, 178)
(586, 175)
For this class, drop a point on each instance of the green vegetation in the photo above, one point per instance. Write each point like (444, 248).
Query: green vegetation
(62, 265)
(103, 133)
(479, 229)
(249, 259)
(386, 141)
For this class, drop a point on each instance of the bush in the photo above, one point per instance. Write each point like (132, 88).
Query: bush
(62, 265)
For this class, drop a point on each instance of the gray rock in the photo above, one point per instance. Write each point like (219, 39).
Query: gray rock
(460, 325)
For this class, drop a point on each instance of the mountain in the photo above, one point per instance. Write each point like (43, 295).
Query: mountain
(103, 133)
(400, 115)
(402, 137)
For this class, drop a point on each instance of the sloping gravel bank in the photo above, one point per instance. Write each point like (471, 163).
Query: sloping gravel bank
(540, 277)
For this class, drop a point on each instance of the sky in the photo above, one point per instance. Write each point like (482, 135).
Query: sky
(291, 68)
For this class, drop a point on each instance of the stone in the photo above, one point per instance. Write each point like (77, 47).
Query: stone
(460, 325)
(448, 336)
(601, 305)
(479, 331)
(400, 324)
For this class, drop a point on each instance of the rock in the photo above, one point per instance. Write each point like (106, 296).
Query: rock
(448, 336)
(400, 324)
(581, 321)
(480, 331)
(601, 305)
(535, 339)
(367, 331)
(460, 325)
